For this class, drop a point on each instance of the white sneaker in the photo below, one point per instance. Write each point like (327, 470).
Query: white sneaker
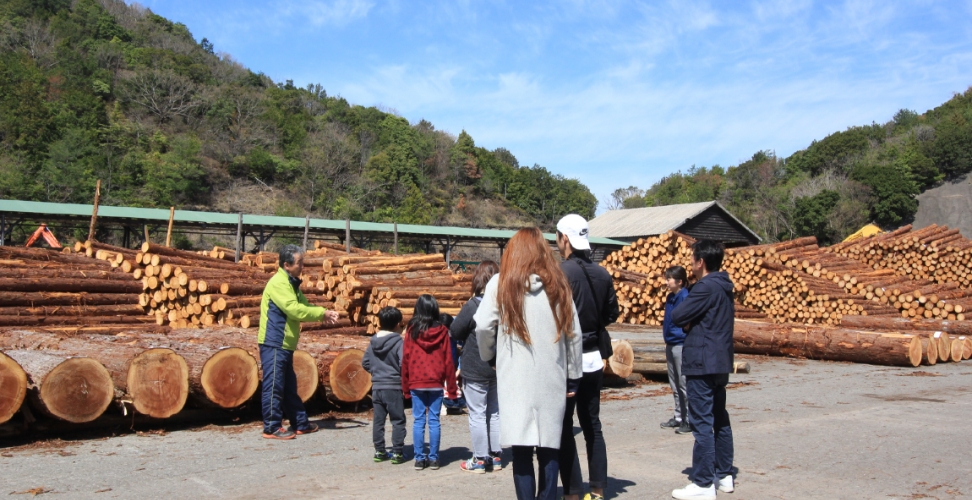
(695, 492)
(725, 485)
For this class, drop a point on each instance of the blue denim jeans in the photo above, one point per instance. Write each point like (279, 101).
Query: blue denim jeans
(525, 478)
(279, 395)
(426, 401)
(713, 452)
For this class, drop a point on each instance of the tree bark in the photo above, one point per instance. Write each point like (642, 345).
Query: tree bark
(74, 310)
(948, 326)
(832, 344)
(73, 320)
(69, 285)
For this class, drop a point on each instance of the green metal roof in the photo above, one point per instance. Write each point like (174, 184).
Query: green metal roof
(37, 209)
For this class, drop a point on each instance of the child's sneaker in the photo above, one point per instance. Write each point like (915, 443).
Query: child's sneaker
(397, 458)
(420, 463)
(474, 465)
(433, 464)
(381, 456)
(497, 462)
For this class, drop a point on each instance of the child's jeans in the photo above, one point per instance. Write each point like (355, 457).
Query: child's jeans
(426, 403)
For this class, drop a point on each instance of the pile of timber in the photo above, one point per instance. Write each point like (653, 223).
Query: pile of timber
(638, 270)
(76, 378)
(795, 281)
(935, 258)
(362, 284)
(48, 289)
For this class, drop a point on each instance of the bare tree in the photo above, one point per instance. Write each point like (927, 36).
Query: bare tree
(164, 94)
(621, 195)
(327, 165)
(36, 38)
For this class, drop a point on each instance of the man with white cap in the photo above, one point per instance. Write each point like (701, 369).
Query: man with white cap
(597, 306)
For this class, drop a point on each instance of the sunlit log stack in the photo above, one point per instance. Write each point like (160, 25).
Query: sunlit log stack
(934, 255)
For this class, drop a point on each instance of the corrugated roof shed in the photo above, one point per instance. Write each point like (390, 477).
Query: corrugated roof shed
(700, 220)
(183, 218)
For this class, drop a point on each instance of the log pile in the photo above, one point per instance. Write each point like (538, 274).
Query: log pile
(794, 281)
(934, 260)
(120, 327)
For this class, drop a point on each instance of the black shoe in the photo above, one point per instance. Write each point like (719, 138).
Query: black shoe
(381, 456)
(434, 465)
(671, 424)
(685, 428)
(420, 464)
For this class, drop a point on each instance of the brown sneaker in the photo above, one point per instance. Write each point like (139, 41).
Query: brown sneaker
(280, 433)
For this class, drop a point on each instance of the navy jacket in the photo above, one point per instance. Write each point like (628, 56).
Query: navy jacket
(673, 334)
(706, 315)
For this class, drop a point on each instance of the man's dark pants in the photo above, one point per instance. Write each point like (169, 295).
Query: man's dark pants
(588, 404)
(390, 403)
(713, 453)
(280, 397)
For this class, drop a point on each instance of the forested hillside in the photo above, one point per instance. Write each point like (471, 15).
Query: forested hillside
(864, 174)
(97, 89)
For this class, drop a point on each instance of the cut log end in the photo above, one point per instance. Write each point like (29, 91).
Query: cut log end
(78, 390)
(230, 377)
(349, 382)
(158, 383)
(308, 378)
(13, 387)
(621, 363)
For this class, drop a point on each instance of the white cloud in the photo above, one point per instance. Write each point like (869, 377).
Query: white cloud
(335, 12)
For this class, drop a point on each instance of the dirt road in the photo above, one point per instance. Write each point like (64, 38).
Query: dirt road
(802, 429)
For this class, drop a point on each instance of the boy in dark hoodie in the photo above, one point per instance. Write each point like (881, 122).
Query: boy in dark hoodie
(706, 316)
(383, 360)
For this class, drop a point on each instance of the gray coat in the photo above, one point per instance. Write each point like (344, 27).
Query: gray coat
(531, 379)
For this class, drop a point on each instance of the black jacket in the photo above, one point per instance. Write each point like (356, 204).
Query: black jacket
(383, 360)
(706, 316)
(463, 329)
(584, 300)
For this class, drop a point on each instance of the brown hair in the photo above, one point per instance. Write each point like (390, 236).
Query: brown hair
(484, 271)
(528, 253)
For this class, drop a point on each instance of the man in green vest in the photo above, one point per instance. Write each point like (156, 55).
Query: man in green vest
(282, 310)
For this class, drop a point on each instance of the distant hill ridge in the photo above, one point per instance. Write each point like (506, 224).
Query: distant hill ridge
(97, 89)
(871, 173)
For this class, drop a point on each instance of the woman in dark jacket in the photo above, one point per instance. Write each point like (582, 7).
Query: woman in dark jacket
(478, 381)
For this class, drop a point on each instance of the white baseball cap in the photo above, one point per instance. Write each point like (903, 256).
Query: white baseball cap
(575, 228)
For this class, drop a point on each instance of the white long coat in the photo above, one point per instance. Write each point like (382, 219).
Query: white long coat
(531, 379)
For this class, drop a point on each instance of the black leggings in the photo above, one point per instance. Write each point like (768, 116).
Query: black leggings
(524, 477)
(588, 404)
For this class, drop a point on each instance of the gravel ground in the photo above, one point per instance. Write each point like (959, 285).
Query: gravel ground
(803, 429)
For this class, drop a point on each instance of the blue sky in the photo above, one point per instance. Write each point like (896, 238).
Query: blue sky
(612, 93)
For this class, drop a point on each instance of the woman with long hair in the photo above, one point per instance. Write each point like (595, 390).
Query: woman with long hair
(528, 322)
(478, 381)
(427, 366)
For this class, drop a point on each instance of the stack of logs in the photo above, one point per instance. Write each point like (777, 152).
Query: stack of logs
(77, 377)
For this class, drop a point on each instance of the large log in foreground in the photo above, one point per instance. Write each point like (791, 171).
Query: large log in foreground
(76, 390)
(13, 387)
(153, 380)
(834, 344)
